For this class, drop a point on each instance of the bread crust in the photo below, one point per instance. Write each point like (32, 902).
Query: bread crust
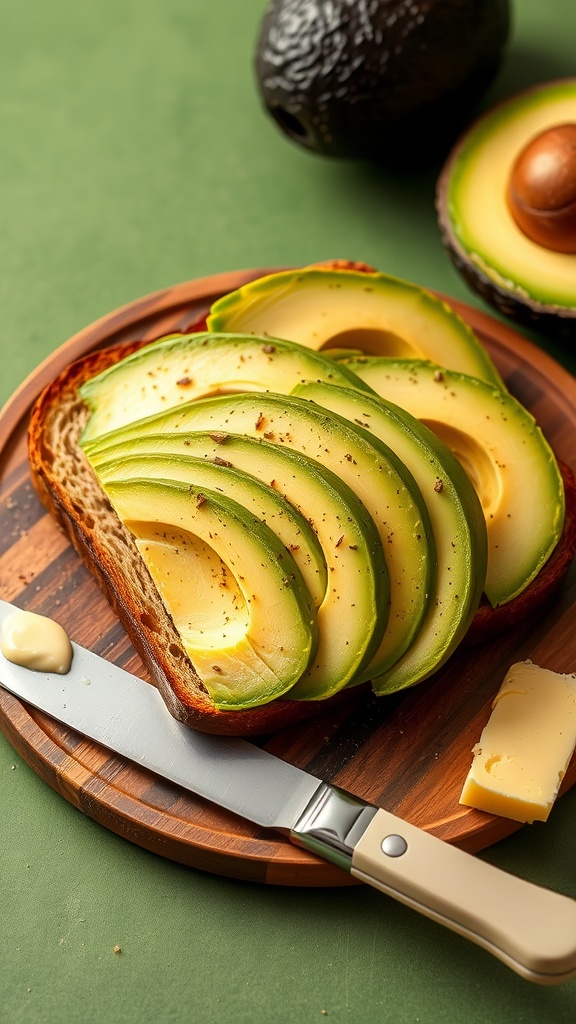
(68, 488)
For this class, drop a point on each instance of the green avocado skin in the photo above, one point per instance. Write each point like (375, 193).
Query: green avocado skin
(380, 79)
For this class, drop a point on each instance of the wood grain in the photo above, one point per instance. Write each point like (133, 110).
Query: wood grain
(409, 753)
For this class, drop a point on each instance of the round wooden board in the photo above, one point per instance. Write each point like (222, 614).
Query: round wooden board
(409, 753)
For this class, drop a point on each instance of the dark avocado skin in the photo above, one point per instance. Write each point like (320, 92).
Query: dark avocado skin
(384, 79)
(556, 322)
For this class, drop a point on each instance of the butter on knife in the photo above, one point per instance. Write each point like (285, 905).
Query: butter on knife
(36, 642)
(526, 746)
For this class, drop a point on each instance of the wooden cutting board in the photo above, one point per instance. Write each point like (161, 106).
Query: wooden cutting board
(408, 753)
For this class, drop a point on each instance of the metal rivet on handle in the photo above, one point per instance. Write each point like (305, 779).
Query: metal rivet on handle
(394, 846)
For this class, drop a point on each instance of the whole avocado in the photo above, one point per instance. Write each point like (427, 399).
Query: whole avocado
(385, 79)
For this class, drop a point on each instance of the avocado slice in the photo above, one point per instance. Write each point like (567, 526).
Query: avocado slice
(457, 521)
(373, 312)
(247, 623)
(180, 368)
(362, 461)
(353, 612)
(525, 280)
(504, 452)
(265, 503)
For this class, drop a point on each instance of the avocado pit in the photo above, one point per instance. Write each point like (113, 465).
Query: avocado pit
(542, 189)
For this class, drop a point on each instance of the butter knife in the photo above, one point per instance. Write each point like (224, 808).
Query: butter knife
(529, 928)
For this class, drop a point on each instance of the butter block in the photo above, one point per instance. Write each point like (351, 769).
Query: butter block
(526, 746)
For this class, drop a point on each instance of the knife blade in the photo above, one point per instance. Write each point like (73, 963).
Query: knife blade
(529, 928)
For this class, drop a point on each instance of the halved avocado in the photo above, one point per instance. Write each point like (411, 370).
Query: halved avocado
(372, 312)
(353, 613)
(457, 521)
(504, 452)
(247, 622)
(365, 464)
(264, 502)
(180, 368)
(522, 278)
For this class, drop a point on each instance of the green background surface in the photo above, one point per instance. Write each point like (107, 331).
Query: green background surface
(134, 154)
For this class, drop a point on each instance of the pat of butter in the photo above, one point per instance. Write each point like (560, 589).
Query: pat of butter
(36, 642)
(526, 747)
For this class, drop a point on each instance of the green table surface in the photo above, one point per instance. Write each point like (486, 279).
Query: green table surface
(135, 154)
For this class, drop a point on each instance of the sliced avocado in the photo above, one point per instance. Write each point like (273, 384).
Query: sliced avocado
(265, 503)
(247, 621)
(522, 278)
(353, 613)
(361, 460)
(178, 369)
(373, 312)
(505, 454)
(457, 521)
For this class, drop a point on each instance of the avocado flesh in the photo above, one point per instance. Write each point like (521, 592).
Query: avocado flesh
(247, 621)
(375, 313)
(364, 463)
(353, 613)
(504, 452)
(266, 504)
(474, 212)
(457, 521)
(180, 368)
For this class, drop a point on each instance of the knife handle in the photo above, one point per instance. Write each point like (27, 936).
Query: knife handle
(529, 928)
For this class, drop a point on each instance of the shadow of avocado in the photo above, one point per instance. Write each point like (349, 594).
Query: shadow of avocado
(524, 67)
(400, 202)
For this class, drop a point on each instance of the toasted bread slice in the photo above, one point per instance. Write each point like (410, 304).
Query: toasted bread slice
(70, 491)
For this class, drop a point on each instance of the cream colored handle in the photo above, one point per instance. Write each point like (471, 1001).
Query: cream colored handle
(529, 928)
